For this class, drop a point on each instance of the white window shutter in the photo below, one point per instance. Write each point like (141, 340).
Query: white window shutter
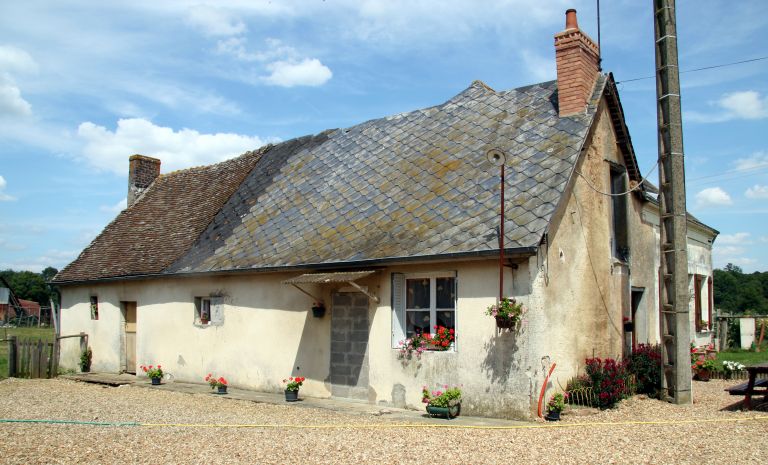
(398, 308)
(217, 310)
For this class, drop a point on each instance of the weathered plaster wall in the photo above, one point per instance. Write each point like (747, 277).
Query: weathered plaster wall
(582, 291)
(269, 334)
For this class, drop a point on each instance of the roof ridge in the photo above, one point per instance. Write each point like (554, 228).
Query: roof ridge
(260, 151)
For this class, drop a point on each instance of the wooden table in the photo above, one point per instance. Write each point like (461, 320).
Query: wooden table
(750, 388)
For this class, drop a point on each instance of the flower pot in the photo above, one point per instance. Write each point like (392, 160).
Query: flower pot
(552, 416)
(291, 396)
(318, 312)
(505, 323)
(702, 375)
(452, 411)
(221, 389)
(156, 381)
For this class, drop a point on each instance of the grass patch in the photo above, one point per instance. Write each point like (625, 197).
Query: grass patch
(46, 334)
(745, 357)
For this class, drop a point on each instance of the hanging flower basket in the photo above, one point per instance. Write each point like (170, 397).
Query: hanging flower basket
(505, 323)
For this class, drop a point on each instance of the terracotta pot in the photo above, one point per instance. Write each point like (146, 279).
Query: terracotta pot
(703, 375)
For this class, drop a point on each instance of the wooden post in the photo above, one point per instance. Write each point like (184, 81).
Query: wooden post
(12, 349)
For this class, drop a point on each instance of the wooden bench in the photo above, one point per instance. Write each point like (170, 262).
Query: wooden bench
(741, 389)
(753, 387)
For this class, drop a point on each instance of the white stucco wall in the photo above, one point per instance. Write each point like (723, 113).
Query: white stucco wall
(269, 334)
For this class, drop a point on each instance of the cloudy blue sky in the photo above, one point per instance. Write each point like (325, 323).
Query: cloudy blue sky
(85, 84)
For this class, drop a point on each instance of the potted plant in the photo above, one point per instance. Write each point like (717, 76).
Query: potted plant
(444, 403)
(220, 384)
(292, 386)
(555, 405)
(729, 368)
(85, 360)
(703, 368)
(318, 309)
(153, 373)
(506, 313)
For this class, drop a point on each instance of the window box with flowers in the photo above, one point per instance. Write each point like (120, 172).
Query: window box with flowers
(445, 401)
(415, 346)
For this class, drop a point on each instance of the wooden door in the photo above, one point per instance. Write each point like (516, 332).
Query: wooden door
(130, 336)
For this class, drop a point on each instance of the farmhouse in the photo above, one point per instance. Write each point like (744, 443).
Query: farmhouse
(393, 226)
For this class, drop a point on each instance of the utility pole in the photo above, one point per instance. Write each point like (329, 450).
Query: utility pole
(675, 323)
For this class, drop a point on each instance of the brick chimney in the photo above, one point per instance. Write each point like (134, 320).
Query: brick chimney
(142, 172)
(578, 60)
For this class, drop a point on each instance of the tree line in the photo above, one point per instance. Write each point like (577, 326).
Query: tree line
(29, 285)
(739, 292)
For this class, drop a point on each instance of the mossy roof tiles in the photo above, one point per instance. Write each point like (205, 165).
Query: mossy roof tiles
(406, 186)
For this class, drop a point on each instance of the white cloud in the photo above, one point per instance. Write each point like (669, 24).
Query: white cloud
(11, 101)
(734, 239)
(3, 196)
(728, 250)
(757, 192)
(285, 65)
(16, 60)
(747, 105)
(116, 208)
(308, 72)
(713, 196)
(275, 50)
(4, 244)
(54, 257)
(109, 150)
(215, 21)
(756, 160)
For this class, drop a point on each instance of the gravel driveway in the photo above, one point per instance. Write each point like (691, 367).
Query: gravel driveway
(709, 431)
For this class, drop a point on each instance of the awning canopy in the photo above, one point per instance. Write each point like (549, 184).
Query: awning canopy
(322, 278)
(348, 277)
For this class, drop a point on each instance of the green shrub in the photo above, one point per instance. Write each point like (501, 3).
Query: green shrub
(645, 364)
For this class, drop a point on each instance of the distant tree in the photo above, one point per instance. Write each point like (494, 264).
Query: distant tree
(736, 292)
(29, 285)
(731, 268)
(49, 273)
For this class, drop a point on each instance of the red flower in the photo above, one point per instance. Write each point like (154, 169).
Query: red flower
(222, 381)
(451, 331)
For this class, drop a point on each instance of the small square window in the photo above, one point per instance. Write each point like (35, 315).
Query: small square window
(94, 307)
(202, 310)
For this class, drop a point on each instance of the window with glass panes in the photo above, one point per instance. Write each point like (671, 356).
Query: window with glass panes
(429, 301)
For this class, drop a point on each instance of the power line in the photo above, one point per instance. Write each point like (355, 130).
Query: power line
(698, 69)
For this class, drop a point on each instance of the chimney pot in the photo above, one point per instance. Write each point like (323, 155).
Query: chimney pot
(570, 19)
(142, 172)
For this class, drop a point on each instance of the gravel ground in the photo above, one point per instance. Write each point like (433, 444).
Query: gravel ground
(709, 431)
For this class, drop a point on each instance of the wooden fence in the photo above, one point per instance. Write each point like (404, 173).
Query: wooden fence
(28, 358)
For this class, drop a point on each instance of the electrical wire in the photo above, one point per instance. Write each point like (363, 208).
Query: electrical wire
(645, 178)
(698, 69)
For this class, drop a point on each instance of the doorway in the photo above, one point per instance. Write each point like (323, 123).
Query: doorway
(129, 317)
(349, 345)
(637, 297)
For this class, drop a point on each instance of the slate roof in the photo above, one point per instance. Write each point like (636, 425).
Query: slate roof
(153, 232)
(411, 186)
